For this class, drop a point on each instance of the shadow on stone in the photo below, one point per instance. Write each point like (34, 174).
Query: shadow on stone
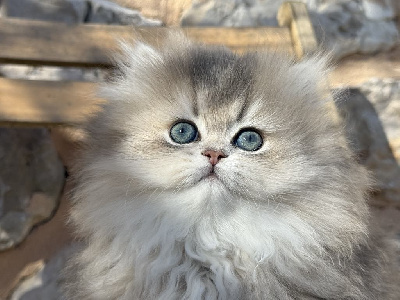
(368, 140)
(31, 181)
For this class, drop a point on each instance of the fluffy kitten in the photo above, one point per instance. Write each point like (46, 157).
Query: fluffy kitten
(211, 175)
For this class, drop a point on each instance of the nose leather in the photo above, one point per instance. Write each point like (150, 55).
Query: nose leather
(214, 156)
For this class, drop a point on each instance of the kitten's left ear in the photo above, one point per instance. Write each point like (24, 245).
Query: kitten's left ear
(311, 76)
(313, 69)
(176, 40)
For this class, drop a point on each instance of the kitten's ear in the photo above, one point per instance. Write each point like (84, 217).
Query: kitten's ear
(313, 69)
(136, 54)
(176, 39)
(142, 52)
(311, 75)
(132, 71)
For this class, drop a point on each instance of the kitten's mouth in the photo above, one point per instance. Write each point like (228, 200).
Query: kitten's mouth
(211, 175)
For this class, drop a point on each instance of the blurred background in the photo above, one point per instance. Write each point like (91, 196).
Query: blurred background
(361, 35)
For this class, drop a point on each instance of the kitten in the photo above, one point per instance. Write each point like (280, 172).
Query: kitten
(211, 175)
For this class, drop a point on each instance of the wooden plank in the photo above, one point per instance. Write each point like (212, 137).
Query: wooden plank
(244, 39)
(49, 43)
(295, 16)
(44, 103)
(357, 68)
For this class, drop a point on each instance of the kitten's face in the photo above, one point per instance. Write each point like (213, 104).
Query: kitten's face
(207, 120)
(223, 151)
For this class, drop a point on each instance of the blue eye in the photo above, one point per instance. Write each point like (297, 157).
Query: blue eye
(248, 140)
(183, 133)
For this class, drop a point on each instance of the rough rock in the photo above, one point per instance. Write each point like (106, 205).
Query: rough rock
(168, 11)
(102, 11)
(51, 73)
(76, 11)
(343, 27)
(367, 138)
(384, 94)
(381, 9)
(45, 284)
(233, 13)
(31, 180)
(47, 10)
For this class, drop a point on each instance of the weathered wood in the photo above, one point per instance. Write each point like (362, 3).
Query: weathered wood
(294, 15)
(44, 103)
(48, 43)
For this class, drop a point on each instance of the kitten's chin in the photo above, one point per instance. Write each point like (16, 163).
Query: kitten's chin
(211, 177)
(208, 180)
(212, 180)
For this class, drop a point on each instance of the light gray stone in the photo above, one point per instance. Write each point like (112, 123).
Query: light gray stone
(384, 94)
(31, 180)
(47, 10)
(102, 11)
(52, 73)
(343, 29)
(209, 13)
(379, 10)
(385, 36)
(232, 13)
(76, 11)
(45, 284)
(241, 15)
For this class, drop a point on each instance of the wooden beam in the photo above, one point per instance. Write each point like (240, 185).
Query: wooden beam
(45, 103)
(48, 43)
(294, 15)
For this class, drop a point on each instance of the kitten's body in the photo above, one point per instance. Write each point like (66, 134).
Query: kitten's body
(288, 221)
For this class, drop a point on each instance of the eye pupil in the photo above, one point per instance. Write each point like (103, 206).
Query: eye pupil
(183, 133)
(248, 140)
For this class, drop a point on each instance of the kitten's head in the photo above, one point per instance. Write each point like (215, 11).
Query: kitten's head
(216, 131)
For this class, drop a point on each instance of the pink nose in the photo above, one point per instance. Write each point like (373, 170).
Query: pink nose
(214, 156)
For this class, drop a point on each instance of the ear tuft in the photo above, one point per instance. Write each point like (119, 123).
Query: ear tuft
(137, 54)
(314, 68)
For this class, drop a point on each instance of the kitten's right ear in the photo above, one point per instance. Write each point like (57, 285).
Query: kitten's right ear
(134, 66)
(147, 51)
(136, 54)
